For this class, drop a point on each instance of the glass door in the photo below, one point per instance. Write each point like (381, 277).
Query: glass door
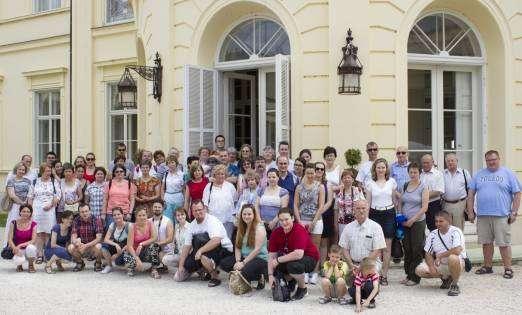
(267, 108)
(443, 114)
(240, 109)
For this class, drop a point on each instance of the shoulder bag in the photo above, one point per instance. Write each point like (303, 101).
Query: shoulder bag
(467, 261)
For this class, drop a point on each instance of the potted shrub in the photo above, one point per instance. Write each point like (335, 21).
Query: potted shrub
(352, 157)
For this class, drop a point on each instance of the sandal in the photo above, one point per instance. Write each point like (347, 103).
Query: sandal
(214, 283)
(404, 281)
(31, 268)
(49, 269)
(39, 260)
(383, 280)
(19, 268)
(411, 283)
(79, 266)
(59, 266)
(343, 301)
(508, 273)
(155, 274)
(324, 300)
(484, 270)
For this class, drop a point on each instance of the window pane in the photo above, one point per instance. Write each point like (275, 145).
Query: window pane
(419, 130)
(57, 149)
(419, 89)
(43, 103)
(454, 29)
(457, 90)
(458, 130)
(416, 45)
(55, 134)
(118, 10)
(270, 128)
(113, 97)
(43, 131)
(432, 26)
(231, 51)
(279, 45)
(132, 127)
(117, 131)
(270, 91)
(244, 33)
(55, 103)
(468, 46)
(43, 148)
(132, 149)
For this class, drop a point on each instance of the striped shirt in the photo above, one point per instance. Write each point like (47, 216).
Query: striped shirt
(360, 279)
(452, 238)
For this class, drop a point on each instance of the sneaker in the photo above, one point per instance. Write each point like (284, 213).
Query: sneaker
(454, 290)
(261, 283)
(446, 283)
(324, 300)
(313, 278)
(214, 283)
(107, 269)
(300, 293)
(97, 266)
(307, 277)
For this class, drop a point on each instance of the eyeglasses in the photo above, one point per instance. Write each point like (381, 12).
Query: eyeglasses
(401, 153)
(372, 149)
(89, 159)
(117, 172)
(121, 150)
(298, 165)
(319, 169)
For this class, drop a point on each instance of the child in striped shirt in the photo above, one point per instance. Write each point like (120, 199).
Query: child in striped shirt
(366, 285)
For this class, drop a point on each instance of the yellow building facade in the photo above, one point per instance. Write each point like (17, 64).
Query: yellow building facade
(438, 76)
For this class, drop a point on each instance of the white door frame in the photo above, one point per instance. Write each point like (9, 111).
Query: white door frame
(437, 99)
(226, 110)
(262, 72)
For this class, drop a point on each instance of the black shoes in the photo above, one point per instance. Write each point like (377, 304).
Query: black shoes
(299, 294)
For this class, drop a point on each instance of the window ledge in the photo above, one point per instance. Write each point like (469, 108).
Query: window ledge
(35, 15)
(110, 29)
(35, 73)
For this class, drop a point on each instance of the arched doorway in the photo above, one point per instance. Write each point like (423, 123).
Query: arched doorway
(246, 95)
(445, 108)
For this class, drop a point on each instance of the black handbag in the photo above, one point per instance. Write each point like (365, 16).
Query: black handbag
(7, 253)
(280, 290)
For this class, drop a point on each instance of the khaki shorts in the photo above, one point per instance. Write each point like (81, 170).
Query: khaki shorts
(493, 229)
(442, 269)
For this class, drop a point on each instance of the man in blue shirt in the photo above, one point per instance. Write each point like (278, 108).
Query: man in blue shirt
(399, 169)
(287, 180)
(497, 193)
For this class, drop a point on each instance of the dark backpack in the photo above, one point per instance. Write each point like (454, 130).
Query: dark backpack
(280, 290)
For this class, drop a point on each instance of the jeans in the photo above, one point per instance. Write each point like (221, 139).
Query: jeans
(251, 271)
(413, 245)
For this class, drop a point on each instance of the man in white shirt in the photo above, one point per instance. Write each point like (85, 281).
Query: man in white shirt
(365, 171)
(434, 179)
(206, 244)
(145, 156)
(445, 253)
(456, 182)
(361, 238)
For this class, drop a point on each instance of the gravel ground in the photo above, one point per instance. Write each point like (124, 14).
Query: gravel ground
(115, 293)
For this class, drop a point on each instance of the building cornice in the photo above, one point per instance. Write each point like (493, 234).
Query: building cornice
(111, 29)
(35, 43)
(34, 16)
(34, 73)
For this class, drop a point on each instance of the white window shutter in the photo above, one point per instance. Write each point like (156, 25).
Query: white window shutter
(200, 106)
(282, 72)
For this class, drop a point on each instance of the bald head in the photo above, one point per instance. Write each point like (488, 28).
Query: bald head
(427, 162)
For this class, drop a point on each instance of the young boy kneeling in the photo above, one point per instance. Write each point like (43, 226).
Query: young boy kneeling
(334, 271)
(366, 285)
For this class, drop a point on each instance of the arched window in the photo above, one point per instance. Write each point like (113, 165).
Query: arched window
(444, 35)
(255, 38)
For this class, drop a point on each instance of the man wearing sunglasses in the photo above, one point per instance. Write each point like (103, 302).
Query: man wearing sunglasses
(121, 150)
(399, 168)
(365, 174)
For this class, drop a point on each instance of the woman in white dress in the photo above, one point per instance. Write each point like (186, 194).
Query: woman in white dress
(45, 198)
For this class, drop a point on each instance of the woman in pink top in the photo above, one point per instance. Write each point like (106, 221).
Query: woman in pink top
(141, 246)
(118, 193)
(21, 239)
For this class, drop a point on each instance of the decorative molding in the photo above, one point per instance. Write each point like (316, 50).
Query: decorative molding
(316, 125)
(311, 52)
(35, 73)
(314, 28)
(379, 100)
(390, 3)
(184, 23)
(514, 15)
(316, 101)
(309, 4)
(315, 76)
(383, 28)
(34, 15)
(374, 124)
(382, 75)
(35, 43)
(115, 62)
(382, 52)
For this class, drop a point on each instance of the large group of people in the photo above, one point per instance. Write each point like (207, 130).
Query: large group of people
(267, 218)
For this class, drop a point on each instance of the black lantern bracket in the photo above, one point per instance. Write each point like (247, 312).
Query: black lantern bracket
(350, 68)
(153, 74)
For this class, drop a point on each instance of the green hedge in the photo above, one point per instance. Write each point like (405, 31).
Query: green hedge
(3, 218)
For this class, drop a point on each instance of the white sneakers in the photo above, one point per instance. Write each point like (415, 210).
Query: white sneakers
(107, 269)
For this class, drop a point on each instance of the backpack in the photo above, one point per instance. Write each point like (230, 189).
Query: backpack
(280, 290)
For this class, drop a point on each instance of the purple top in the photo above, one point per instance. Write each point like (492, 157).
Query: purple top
(22, 236)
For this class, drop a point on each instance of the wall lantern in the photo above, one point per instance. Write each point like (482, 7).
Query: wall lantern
(127, 88)
(349, 69)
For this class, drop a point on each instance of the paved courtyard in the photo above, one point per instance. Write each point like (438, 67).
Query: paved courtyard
(115, 293)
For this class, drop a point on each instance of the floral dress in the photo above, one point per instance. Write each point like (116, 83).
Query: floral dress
(146, 188)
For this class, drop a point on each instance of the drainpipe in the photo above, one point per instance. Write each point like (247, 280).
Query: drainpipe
(70, 80)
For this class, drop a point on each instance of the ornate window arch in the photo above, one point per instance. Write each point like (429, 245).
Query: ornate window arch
(443, 34)
(254, 38)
